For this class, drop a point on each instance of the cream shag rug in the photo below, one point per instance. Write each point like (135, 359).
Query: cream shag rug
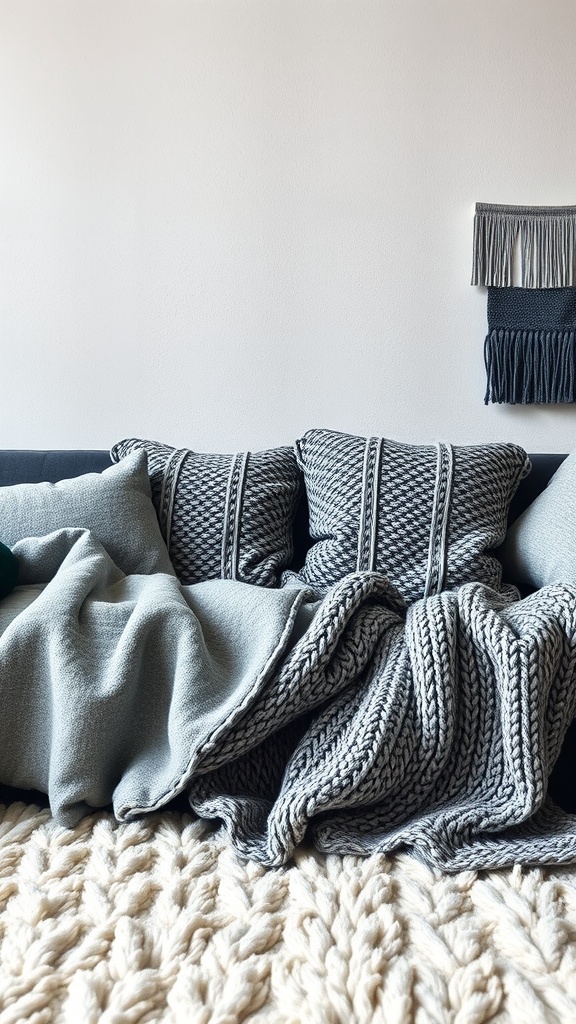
(160, 921)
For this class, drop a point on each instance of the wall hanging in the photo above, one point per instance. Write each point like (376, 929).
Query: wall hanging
(530, 348)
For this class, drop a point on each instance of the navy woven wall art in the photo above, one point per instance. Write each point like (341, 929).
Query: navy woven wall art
(530, 348)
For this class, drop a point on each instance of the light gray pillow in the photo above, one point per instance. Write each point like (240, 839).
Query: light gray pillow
(116, 505)
(540, 546)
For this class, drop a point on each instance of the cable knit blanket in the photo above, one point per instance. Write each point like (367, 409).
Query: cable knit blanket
(356, 724)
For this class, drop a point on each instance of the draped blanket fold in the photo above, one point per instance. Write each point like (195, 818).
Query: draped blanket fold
(355, 724)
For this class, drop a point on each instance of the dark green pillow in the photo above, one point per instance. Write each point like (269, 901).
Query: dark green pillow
(8, 571)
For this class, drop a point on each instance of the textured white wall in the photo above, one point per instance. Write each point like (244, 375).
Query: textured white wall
(225, 221)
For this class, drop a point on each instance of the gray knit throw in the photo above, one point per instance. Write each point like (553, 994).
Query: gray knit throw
(434, 730)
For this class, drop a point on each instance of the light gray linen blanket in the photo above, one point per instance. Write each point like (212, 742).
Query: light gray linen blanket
(356, 724)
(110, 683)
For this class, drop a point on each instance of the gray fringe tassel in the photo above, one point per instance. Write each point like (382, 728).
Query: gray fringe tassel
(548, 241)
(530, 367)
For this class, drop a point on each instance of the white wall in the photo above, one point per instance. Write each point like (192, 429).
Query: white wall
(225, 221)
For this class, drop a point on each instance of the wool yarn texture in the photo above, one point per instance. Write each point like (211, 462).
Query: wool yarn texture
(160, 920)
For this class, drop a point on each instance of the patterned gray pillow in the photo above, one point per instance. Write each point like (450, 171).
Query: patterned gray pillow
(223, 516)
(425, 516)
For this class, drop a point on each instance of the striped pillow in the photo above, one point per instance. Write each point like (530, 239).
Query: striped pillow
(223, 516)
(425, 516)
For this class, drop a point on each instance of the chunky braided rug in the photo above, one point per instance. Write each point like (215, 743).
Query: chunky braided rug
(159, 920)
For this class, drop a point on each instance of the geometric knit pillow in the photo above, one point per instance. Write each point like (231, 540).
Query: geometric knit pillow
(424, 516)
(223, 516)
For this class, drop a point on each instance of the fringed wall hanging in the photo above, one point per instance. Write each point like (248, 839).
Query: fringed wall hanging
(530, 348)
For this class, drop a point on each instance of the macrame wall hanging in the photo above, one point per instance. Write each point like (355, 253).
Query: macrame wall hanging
(530, 348)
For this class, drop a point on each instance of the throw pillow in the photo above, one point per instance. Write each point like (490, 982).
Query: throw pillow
(425, 516)
(223, 516)
(115, 505)
(540, 546)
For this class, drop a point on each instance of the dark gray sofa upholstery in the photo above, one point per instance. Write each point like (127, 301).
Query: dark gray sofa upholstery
(34, 466)
(31, 467)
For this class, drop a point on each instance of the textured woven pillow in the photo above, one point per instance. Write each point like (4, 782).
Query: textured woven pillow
(223, 516)
(425, 516)
(115, 505)
(540, 546)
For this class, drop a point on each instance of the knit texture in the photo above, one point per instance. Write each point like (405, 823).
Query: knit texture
(425, 516)
(355, 723)
(223, 516)
(160, 921)
(434, 729)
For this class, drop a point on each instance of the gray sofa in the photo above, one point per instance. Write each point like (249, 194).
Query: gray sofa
(52, 466)
(35, 466)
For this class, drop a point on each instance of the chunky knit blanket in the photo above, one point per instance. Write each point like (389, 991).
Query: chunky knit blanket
(433, 728)
(357, 724)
